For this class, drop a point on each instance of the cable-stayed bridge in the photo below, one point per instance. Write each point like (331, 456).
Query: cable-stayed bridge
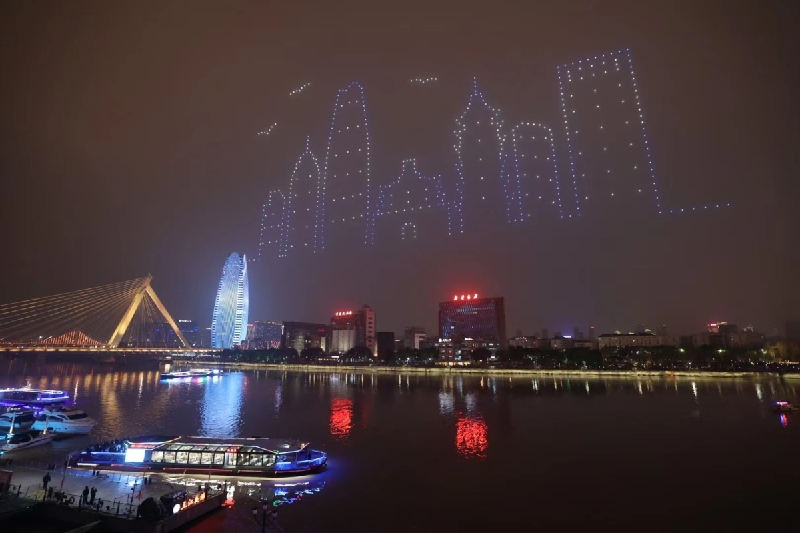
(126, 316)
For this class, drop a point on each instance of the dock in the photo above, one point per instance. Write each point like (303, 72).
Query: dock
(115, 506)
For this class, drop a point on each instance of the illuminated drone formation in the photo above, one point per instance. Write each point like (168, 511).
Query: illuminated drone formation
(300, 89)
(501, 174)
(268, 130)
(406, 203)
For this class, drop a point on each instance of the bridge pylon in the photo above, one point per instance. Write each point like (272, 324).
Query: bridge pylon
(146, 290)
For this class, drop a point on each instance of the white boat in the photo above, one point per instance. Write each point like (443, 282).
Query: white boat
(24, 439)
(19, 418)
(784, 407)
(66, 421)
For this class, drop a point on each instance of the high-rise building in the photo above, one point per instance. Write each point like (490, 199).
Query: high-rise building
(662, 330)
(229, 319)
(354, 328)
(577, 333)
(545, 333)
(481, 321)
(413, 336)
(191, 332)
(266, 334)
(592, 333)
(302, 335)
(385, 344)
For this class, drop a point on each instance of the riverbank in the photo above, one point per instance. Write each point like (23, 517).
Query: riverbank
(523, 372)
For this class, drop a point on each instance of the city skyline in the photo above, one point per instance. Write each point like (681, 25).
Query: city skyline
(150, 144)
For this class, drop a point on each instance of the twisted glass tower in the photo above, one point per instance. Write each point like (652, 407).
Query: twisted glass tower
(229, 322)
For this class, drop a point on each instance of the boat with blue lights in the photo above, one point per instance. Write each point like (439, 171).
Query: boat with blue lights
(26, 396)
(252, 456)
(188, 374)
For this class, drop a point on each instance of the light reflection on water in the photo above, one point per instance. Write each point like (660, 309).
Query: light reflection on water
(451, 430)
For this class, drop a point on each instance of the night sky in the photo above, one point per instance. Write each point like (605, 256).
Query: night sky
(128, 145)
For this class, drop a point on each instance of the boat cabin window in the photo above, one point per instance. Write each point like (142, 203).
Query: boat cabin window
(181, 457)
(219, 458)
(157, 457)
(206, 458)
(77, 416)
(169, 457)
(194, 458)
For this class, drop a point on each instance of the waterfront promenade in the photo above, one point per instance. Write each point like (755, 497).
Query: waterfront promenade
(516, 372)
(114, 501)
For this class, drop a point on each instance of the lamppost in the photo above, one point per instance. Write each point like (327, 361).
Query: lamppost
(268, 516)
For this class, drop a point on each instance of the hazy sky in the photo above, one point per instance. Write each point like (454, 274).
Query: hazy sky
(128, 145)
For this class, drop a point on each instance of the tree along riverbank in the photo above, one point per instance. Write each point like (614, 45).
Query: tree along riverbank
(521, 372)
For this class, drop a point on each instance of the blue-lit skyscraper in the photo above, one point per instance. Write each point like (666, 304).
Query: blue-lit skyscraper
(229, 321)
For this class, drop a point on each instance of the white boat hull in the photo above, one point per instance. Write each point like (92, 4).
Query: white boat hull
(64, 428)
(37, 441)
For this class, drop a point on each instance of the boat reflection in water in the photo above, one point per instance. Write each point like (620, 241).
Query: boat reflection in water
(242, 490)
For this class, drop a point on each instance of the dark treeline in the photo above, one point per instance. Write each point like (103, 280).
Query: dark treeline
(653, 358)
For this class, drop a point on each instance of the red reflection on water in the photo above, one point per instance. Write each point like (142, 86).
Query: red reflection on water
(784, 420)
(341, 417)
(471, 437)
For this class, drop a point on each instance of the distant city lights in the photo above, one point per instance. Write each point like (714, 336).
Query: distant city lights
(465, 297)
(424, 81)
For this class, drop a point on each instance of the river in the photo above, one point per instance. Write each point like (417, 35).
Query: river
(417, 453)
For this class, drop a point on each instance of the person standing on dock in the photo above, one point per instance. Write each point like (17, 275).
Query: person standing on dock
(85, 497)
(91, 499)
(46, 480)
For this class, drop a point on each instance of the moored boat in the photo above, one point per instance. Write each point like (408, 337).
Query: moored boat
(24, 439)
(18, 418)
(26, 396)
(65, 421)
(29, 438)
(205, 455)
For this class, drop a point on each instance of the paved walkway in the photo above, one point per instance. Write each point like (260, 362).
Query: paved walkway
(112, 488)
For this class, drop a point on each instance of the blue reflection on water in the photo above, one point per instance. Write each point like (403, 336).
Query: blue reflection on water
(221, 409)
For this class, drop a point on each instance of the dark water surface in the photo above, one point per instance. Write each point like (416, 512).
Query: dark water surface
(413, 453)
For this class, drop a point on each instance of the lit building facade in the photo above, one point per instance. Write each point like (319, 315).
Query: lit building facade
(470, 318)
(231, 306)
(354, 328)
(414, 337)
(191, 332)
(267, 334)
(634, 340)
(302, 335)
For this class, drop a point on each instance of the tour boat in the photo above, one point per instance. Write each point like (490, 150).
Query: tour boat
(19, 418)
(176, 375)
(32, 397)
(783, 407)
(205, 455)
(66, 421)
